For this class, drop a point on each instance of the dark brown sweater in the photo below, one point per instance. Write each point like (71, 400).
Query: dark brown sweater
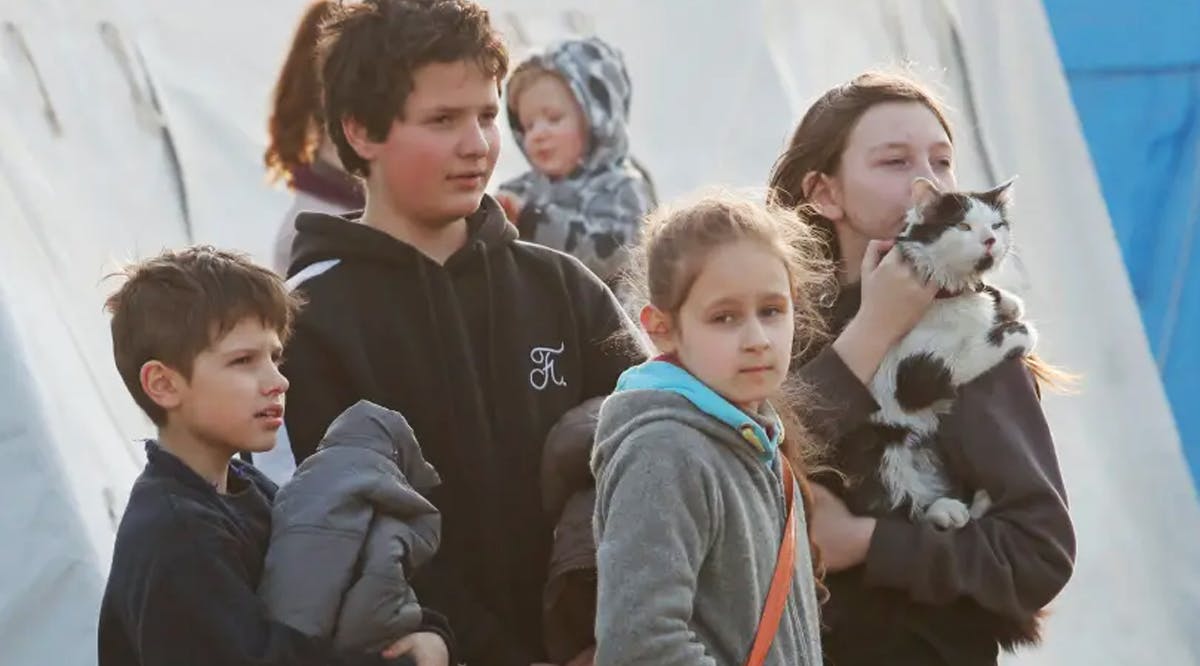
(930, 597)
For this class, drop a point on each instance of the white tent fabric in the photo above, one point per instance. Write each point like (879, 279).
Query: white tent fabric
(129, 126)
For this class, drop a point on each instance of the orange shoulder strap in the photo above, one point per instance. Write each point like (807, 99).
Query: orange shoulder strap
(781, 581)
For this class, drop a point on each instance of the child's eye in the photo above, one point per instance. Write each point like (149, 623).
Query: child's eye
(944, 163)
(771, 311)
(441, 120)
(490, 117)
(896, 161)
(724, 318)
(242, 360)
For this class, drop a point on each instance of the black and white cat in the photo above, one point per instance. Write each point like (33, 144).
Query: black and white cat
(953, 239)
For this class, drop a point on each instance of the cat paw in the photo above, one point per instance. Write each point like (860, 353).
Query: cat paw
(980, 504)
(1009, 306)
(947, 513)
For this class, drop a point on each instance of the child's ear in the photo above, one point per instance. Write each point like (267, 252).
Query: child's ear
(359, 139)
(824, 194)
(924, 192)
(162, 384)
(657, 325)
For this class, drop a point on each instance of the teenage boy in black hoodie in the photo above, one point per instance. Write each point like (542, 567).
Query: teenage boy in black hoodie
(196, 337)
(431, 307)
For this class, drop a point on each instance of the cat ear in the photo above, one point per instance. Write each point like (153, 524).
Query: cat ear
(999, 197)
(924, 192)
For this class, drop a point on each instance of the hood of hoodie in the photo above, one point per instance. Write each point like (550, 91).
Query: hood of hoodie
(596, 74)
(629, 409)
(323, 237)
(763, 431)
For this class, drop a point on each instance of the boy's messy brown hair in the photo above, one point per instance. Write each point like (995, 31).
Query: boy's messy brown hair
(174, 306)
(370, 50)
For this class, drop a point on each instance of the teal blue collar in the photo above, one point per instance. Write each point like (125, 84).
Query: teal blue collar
(664, 375)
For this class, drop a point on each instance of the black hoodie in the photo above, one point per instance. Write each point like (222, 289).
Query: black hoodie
(482, 355)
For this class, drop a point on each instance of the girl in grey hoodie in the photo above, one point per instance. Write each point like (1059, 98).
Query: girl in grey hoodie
(690, 453)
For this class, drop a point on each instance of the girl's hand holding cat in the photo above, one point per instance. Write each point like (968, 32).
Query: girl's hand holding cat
(843, 538)
(894, 299)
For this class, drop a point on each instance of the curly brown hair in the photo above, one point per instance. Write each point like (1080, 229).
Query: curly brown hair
(294, 129)
(369, 52)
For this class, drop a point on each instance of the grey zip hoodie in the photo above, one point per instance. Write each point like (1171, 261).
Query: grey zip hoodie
(688, 524)
(349, 529)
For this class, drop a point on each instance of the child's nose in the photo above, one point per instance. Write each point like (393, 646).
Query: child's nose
(756, 337)
(277, 384)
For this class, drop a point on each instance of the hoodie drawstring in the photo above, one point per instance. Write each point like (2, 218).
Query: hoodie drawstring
(449, 415)
(491, 329)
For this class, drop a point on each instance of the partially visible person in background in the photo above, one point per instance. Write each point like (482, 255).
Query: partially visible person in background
(568, 107)
(299, 152)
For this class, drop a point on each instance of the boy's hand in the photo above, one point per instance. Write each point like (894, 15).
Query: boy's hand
(425, 647)
(585, 658)
(511, 204)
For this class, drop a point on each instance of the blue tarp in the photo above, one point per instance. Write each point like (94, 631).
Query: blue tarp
(1134, 72)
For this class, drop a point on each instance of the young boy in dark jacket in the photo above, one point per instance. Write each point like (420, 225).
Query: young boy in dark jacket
(433, 308)
(197, 337)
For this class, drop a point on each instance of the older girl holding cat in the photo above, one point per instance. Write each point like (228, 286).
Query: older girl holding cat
(904, 592)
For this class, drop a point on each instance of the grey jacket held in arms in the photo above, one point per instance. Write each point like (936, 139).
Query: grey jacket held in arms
(682, 507)
(349, 528)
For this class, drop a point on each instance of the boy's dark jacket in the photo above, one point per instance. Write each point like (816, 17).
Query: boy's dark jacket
(186, 564)
(482, 355)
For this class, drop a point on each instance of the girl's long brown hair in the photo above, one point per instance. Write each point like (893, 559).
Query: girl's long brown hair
(295, 127)
(675, 243)
(820, 139)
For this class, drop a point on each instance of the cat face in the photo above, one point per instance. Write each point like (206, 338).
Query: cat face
(956, 237)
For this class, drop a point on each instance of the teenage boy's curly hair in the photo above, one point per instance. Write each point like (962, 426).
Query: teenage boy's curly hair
(174, 306)
(370, 50)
